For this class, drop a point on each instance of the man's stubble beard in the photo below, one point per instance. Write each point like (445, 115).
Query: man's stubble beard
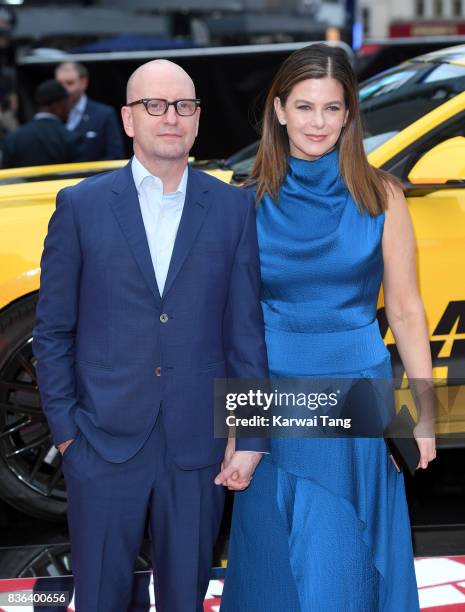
(177, 152)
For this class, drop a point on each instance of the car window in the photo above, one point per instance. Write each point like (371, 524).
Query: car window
(415, 90)
(444, 71)
(385, 83)
(370, 143)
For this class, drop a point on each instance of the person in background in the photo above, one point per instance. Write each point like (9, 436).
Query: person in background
(96, 122)
(8, 96)
(43, 140)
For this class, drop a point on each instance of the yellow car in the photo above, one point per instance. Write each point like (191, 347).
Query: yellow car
(415, 127)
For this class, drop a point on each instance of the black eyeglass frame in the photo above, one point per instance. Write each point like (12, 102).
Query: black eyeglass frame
(145, 102)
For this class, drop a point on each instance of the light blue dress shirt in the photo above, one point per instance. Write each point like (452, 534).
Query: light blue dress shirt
(161, 214)
(76, 113)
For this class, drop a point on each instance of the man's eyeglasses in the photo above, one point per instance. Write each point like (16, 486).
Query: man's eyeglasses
(158, 107)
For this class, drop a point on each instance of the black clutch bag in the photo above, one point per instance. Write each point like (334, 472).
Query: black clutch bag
(400, 441)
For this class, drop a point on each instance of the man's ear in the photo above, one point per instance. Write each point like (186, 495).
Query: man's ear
(198, 121)
(126, 116)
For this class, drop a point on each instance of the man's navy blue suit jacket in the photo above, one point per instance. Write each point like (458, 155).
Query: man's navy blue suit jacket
(100, 130)
(107, 358)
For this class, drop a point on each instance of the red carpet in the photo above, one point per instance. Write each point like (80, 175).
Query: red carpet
(441, 587)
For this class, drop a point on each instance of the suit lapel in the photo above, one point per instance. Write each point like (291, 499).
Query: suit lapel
(196, 206)
(125, 205)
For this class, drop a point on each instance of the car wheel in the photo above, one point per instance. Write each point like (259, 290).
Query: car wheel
(52, 559)
(30, 466)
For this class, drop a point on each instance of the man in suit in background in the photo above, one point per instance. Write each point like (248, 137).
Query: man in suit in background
(149, 291)
(96, 122)
(44, 140)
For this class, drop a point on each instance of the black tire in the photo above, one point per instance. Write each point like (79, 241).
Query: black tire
(51, 559)
(31, 478)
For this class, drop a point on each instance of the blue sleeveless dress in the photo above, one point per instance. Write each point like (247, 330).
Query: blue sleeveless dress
(324, 525)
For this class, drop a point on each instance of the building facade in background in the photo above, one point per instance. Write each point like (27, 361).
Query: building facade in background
(382, 18)
(203, 22)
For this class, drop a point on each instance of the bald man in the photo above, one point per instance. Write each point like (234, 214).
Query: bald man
(149, 291)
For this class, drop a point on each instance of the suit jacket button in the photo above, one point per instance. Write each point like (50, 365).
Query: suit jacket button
(164, 318)
(158, 371)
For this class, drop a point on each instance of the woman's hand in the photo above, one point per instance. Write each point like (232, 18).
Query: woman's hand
(427, 447)
(406, 317)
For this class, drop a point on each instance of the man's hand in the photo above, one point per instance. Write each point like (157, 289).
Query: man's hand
(237, 469)
(64, 445)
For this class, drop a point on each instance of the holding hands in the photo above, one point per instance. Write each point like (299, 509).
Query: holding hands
(237, 467)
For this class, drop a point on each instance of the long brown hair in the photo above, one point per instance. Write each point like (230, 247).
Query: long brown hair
(367, 185)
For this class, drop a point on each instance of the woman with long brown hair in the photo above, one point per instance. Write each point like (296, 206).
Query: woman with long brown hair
(324, 524)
